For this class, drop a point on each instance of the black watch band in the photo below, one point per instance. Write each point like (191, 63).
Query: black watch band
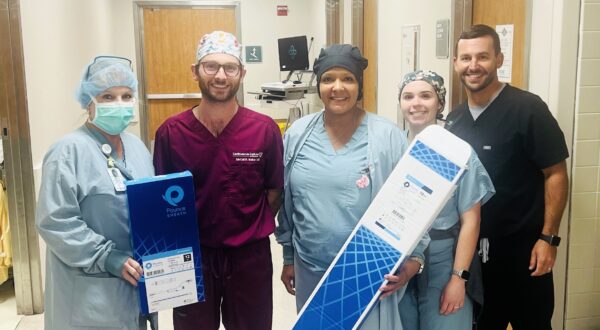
(550, 239)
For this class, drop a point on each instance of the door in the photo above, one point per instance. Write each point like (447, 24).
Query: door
(370, 52)
(168, 36)
(492, 13)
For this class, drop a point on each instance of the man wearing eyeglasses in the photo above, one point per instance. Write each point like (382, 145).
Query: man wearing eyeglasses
(236, 158)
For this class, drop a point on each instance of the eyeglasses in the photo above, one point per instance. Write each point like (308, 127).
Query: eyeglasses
(98, 62)
(211, 68)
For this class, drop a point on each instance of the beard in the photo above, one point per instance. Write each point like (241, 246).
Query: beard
(217, 97)
(477, 88)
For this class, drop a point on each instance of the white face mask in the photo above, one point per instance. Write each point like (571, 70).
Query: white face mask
(114, 117)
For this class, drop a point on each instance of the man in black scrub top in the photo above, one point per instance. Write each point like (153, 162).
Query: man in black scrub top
(523, 149)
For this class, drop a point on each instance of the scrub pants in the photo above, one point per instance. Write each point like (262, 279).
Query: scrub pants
(421, 310)
(238, 282)
(510, 293)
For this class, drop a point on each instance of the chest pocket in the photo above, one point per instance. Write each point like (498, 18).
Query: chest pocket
(245, 176)
(358, 191)
(497, 152)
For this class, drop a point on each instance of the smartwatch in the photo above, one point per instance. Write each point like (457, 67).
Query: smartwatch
(463, 274)
(550, 239)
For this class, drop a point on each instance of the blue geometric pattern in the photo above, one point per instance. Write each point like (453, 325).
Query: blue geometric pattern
(351, 284)
(434, 161)
(150, 245)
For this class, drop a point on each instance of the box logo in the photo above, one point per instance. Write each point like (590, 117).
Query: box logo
(173, 195)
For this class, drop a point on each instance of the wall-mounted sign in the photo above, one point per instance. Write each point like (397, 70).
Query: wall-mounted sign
(441, 38)
(282, 10)
(506, 34)
(253, 54)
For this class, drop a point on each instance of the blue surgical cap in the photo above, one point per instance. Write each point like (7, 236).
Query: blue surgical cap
(103, 73)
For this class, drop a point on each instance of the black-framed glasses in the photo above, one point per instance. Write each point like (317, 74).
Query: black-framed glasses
(98, 63)
(211, 68)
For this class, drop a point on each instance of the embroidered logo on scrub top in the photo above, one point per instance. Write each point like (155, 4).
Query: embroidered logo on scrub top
(247, 157)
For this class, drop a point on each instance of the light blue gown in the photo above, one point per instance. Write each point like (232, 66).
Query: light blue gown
(85, 224)
(314, 224)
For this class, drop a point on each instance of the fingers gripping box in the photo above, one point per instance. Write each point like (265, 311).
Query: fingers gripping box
(165, 240)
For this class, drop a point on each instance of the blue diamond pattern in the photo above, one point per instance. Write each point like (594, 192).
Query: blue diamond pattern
(351, 284)
(434, 161)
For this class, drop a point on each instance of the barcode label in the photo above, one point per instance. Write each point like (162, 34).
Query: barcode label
(155, 272)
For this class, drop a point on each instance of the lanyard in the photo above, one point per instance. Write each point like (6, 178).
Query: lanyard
(112, 163)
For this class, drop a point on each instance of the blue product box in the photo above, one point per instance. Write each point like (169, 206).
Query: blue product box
(165, 240)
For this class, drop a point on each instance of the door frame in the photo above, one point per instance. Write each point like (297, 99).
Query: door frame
(16, 141)
(138, 13)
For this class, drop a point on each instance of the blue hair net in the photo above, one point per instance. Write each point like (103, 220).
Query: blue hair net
(103, 73)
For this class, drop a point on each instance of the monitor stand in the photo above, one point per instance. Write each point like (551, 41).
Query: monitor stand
(288, 77)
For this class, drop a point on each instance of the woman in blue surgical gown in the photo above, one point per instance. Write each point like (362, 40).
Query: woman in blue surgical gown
(82, 211)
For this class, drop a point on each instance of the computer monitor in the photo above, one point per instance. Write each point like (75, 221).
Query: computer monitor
(293, 53)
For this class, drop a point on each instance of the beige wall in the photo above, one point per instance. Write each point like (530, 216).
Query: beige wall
(583, 277)
(393, 15)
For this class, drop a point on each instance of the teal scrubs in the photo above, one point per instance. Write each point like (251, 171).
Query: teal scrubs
(326, 196)
(85, 224)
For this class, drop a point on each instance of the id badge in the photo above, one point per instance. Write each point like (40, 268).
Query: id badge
(117, 178)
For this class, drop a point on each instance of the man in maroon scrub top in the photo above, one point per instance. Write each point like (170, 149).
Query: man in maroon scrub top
(235, 156)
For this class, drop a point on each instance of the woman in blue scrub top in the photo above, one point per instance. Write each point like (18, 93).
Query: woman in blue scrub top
(82, 212)
(335, 163)
(442, 296)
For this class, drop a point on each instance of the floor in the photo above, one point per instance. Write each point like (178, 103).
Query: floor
(284, 310)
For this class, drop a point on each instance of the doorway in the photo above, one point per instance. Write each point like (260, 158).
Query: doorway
(166, 38)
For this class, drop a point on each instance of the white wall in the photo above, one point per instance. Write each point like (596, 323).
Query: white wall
(393, 15)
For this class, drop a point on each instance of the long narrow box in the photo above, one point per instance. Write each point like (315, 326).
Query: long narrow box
(165, 240)
(403, 210)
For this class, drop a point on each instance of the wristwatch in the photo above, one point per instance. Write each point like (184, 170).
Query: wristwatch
(421, 263)
(553, 240)
(463, 274)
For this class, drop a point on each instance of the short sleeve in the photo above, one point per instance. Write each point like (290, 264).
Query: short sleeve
(475, 186)
(543, 139)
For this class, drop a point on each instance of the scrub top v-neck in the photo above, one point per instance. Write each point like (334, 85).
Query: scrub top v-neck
(331, 192)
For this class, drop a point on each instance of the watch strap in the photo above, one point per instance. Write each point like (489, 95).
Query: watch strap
(553, 240)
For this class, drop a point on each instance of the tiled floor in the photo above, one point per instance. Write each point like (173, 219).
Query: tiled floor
(284, 310)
